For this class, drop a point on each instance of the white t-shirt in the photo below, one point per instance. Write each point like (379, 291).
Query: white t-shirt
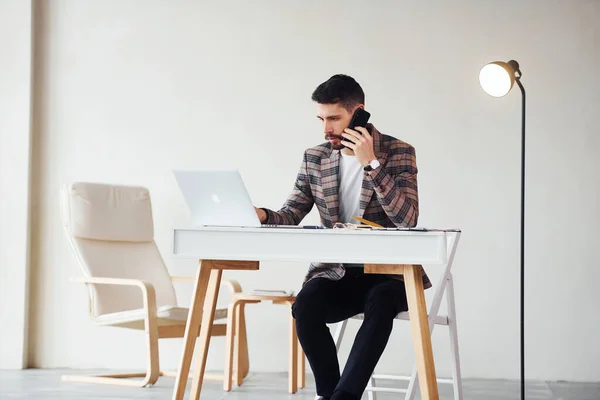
(351, 177)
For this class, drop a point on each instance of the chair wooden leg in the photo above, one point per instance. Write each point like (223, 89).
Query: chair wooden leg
(241, 346)
(293, 370)
(301, 367)
(243, 349)
(232, 330)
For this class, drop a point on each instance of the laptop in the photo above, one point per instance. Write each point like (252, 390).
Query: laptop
(217, 198)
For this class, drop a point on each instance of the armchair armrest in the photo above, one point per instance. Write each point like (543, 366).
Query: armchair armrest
(148, 292)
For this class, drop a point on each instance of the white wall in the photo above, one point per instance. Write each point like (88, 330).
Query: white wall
(128, 92)
(15, 138)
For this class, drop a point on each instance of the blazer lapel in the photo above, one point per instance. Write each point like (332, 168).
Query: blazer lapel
(330, 173)
(366, 192)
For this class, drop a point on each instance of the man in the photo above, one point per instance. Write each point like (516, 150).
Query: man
(373, 176)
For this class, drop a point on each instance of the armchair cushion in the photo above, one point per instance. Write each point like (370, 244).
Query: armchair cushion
(108, 212)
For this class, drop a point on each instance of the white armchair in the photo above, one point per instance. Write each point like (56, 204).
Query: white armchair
(111, 232)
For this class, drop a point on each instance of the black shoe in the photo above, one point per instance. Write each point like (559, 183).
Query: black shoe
(321, 398)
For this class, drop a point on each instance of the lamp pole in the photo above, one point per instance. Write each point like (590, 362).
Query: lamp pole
(497, 79)
(518, 79)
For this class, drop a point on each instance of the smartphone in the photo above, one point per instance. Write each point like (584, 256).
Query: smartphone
(359, 118)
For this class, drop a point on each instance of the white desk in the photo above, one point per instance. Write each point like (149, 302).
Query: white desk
(382, 251)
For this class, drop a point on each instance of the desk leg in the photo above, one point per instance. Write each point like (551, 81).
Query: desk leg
(208, 316)
(192, 328)
(420, 331)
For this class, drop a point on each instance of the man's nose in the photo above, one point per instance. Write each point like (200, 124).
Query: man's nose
(328, 128)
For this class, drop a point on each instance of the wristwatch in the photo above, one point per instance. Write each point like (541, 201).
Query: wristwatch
(373, 164)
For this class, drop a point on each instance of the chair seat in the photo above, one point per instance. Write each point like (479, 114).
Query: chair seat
(258, 297)
(167, 315)
(439, 320)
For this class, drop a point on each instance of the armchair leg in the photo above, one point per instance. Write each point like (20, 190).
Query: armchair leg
(152, 371)
(112, 379)
(151, 332)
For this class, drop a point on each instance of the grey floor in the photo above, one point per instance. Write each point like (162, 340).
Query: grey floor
(46, 384)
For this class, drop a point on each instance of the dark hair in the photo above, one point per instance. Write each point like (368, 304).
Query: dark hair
(341, 89)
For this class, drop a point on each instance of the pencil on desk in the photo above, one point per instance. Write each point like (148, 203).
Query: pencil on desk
(367, 222)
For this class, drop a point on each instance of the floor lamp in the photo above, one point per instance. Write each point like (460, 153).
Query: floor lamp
(497, 79)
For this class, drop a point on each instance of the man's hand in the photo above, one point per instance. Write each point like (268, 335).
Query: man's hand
(362, 145)
(262, 215)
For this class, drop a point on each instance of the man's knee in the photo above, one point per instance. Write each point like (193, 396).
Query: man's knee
(308, 305)
(386, 300)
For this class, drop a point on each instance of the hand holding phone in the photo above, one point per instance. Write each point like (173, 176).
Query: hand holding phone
(359, 118)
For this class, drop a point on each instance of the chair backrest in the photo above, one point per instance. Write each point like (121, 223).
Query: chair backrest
(111, 232)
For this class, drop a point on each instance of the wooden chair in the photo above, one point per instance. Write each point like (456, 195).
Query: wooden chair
(111, 232)
(297, 366)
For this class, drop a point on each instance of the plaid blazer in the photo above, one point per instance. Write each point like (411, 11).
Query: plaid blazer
(388, 195)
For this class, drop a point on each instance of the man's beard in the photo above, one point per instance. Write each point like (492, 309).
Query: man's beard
(338, 146)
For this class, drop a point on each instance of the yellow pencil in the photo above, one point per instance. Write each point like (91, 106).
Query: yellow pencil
(367, 222)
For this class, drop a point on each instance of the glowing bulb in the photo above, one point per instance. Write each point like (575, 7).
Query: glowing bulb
(496, 78)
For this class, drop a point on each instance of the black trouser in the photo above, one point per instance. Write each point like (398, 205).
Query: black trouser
(323, 301)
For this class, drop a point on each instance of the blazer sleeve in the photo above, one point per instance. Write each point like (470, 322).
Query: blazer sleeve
(299, 202)
(396, 187)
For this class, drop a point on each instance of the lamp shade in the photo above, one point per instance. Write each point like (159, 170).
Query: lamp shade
(497, 78)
